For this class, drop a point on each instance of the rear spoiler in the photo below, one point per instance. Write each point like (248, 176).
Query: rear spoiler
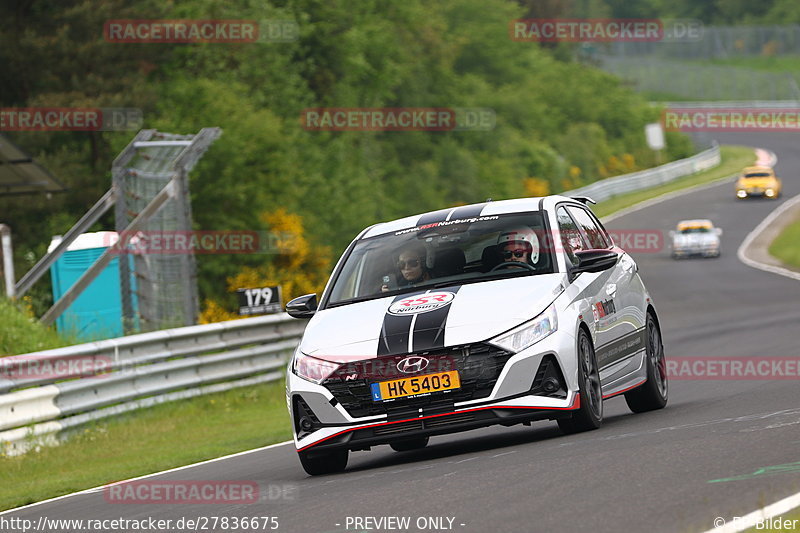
(583, 199)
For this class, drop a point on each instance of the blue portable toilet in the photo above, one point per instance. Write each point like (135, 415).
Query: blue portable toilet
(97, 312)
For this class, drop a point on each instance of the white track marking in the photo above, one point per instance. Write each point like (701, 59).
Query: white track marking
(751, 520)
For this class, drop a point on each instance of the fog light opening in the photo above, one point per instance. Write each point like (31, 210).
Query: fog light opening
(550, 385)
(306, 424)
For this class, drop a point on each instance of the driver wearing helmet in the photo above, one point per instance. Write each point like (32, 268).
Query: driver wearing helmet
(519, 245)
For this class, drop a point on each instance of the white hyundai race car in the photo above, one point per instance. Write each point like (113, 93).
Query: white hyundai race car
(496, 313)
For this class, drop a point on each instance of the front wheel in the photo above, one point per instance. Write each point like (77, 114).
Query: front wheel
(323, 462)
(653, 394)
(590, 414)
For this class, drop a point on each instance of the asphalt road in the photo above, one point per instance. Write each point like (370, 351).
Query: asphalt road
(638, 472)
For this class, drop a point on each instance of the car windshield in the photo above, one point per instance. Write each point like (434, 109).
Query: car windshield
(758, 175)
(687, 231)
(444, 253)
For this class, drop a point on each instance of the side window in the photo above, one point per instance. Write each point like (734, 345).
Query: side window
(571, 238)
(595, 236)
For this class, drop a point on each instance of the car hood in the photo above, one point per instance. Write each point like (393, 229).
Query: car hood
(427, 320)
(695, 239)
(763, 183)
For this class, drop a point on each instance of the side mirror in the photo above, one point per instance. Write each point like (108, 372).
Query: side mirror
(595, 260)
(719, 231)
(672, 234)
(302, 306)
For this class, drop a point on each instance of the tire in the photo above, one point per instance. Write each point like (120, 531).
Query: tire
(327, 462)
(654, 393)
(409, 444)
(590, 414)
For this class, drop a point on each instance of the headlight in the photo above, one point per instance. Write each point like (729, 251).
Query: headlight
(312, 369)
(741, 193)
(769, 192)
(528, 333)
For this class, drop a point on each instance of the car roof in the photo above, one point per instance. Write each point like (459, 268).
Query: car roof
(696, 223)
(489, 208)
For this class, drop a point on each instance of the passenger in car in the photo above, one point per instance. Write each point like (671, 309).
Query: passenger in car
(412, 267)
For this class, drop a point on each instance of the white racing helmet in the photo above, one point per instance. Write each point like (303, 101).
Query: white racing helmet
(521, 234)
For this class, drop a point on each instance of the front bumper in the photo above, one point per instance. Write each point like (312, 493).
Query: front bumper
(506, 414)
(516, 396)
(704, 251)
(765, 193)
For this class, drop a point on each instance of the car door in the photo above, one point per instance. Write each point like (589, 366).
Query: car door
(619, 309)
(591, 287)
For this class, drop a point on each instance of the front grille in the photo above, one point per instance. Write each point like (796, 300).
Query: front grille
(447, 420)
(398, 428)
(426, 423)
(478, 365)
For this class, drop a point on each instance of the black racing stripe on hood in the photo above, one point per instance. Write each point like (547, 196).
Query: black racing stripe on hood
(436, 216)
(395, 331)
(429, 327)
(468, 211)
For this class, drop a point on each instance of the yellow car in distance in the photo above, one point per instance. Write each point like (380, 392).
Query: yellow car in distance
(758, 181)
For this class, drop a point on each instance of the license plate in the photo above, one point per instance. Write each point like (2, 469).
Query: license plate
(400, 388)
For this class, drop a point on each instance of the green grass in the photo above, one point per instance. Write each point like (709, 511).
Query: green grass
(188, 431)
(786, 246)
(150, 440)
(734, 158)
(21, 333)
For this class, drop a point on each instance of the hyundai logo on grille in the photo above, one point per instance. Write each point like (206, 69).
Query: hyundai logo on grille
(412, 364)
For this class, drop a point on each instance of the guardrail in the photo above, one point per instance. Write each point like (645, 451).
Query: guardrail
(733, 104)
(118, 375)
(653, 177)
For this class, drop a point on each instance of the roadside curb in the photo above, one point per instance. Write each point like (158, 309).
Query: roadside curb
(754, 250)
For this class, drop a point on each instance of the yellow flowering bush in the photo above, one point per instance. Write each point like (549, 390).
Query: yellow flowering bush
(297, 266)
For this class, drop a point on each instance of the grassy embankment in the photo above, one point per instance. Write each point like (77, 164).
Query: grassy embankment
(786, 246)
